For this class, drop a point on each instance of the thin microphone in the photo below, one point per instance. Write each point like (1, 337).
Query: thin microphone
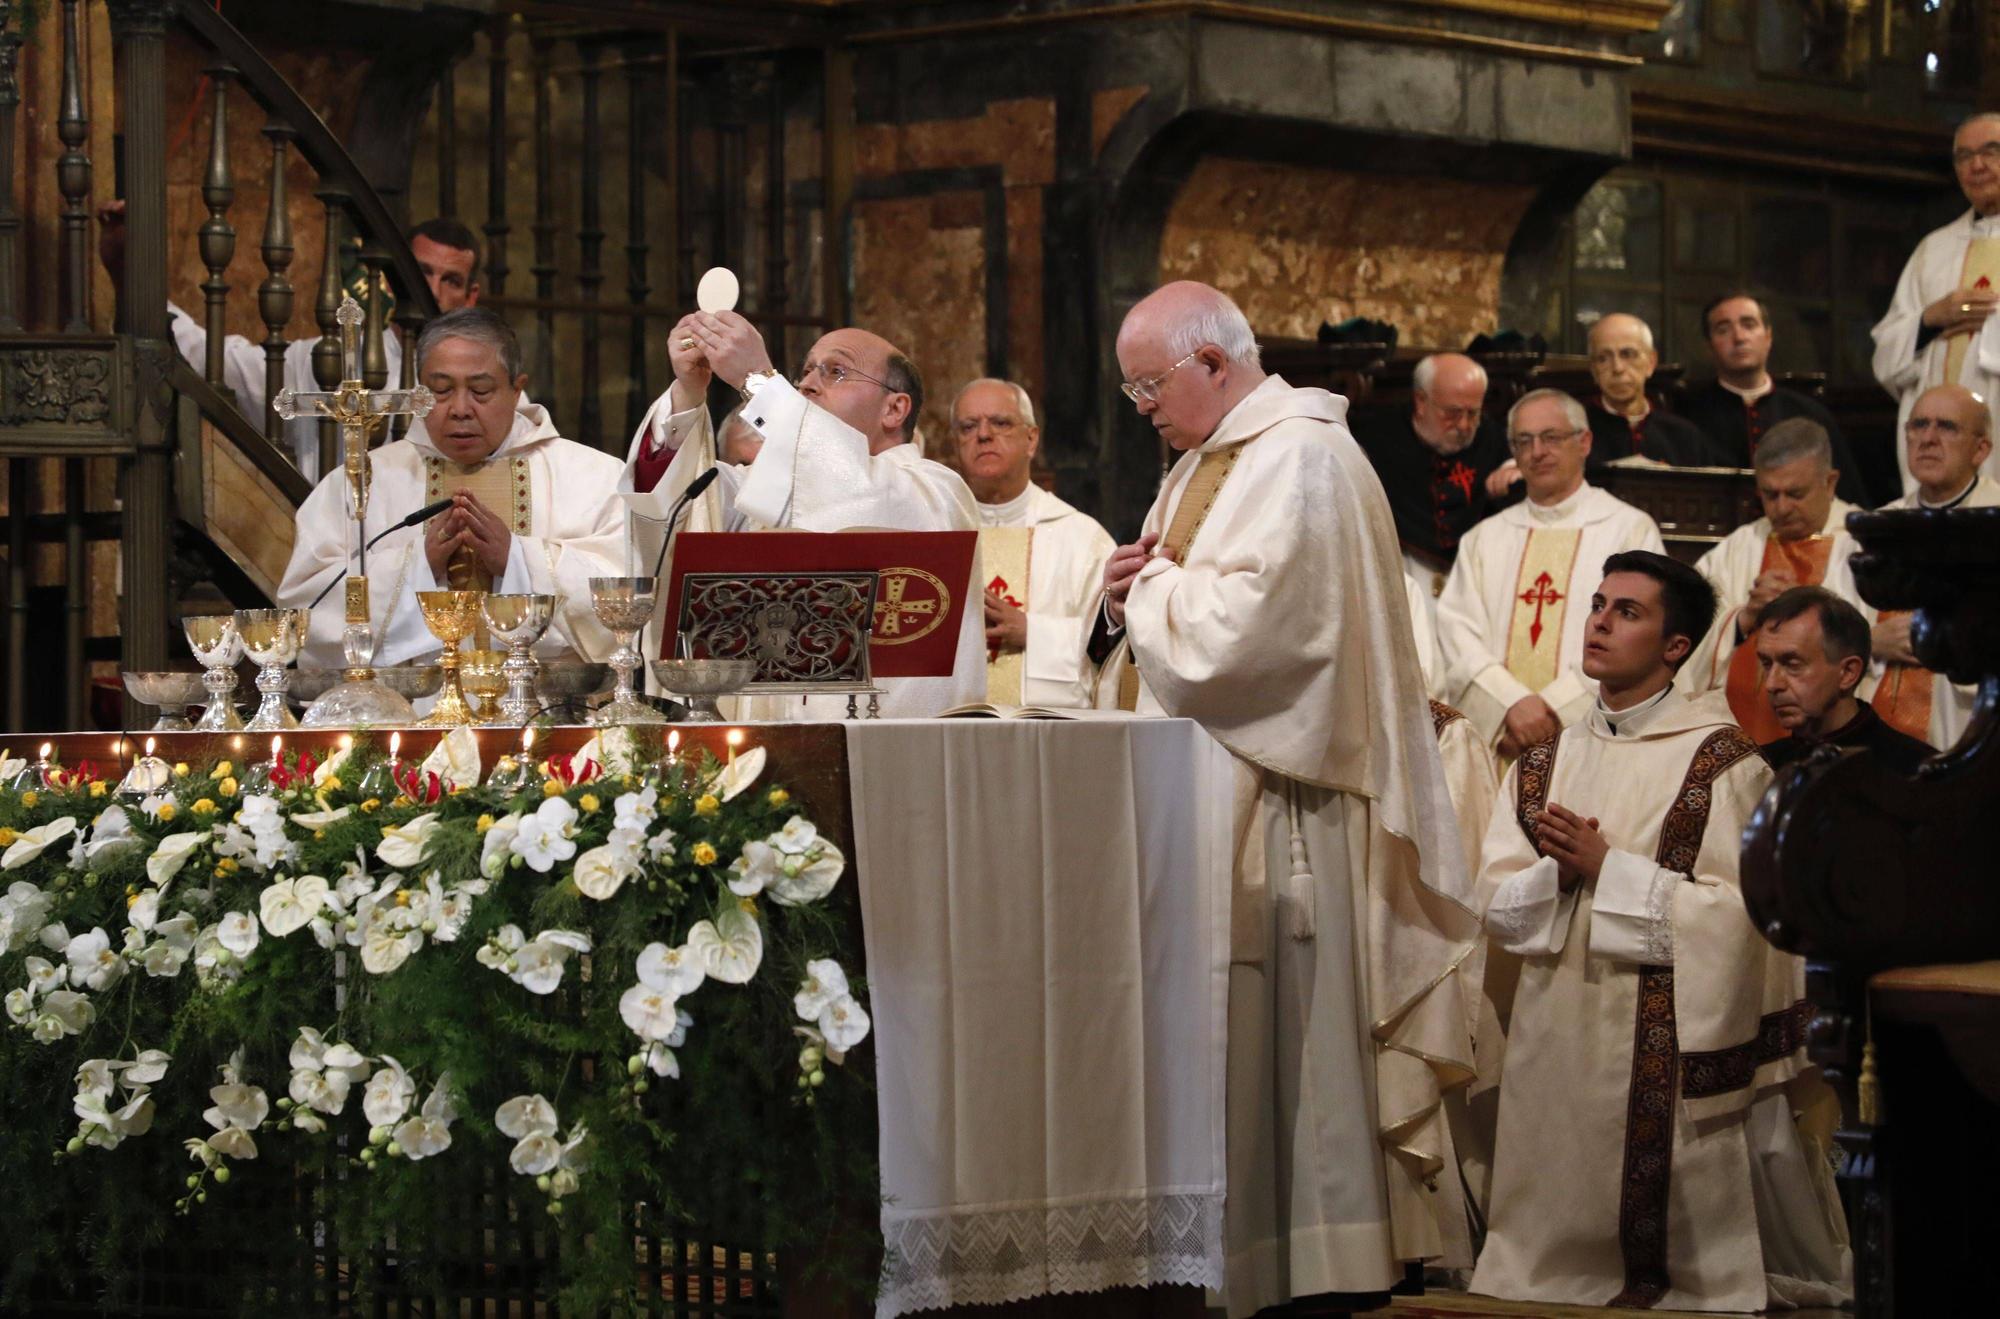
(693, 491)
(422, 515)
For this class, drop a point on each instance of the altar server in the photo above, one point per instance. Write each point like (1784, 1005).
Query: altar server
(836, 455)
(1947, 441)
(1800, 541)
(531, 511)
(1648, 1153)
(1510, 621)
(1940, 328)
(1043, 559)
(1265, 600)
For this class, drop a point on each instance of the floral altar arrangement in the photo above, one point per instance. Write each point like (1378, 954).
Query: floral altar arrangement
(619, 978)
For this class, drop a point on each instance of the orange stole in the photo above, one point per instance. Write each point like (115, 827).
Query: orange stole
(1806, 561)
(1904, 698)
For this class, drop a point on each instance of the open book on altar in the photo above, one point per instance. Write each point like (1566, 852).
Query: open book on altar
(806, 594)
(988, 710)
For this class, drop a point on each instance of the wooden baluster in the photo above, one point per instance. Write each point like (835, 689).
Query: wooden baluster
(76, 605)
(409, 319)
(636, 247)
(774, 299)
(374, 359)
(326, 364)
(218, 236)
(274, 295)
(590, 243)
(21, 473)
(447, 144)
(73, 180)
(544, 227)
(10, 216)
(496, 225)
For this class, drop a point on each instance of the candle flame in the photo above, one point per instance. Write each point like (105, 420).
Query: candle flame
(346, 742)
(149, 746)
(673, 741)
(277, 743)
(46, 748)
(395, 745)
(735, 737)
(527, 741)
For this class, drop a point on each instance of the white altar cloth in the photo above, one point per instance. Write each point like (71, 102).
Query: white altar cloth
(1046, 914)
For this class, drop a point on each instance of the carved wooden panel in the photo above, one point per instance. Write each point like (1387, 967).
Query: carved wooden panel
(62, 395)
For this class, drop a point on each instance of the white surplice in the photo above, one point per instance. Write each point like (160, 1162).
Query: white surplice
(1935, 269)
(1732, 568)
(1480, 600)
(242, 362)
(1066, 558)
(1284, 631)
(1680, 1174)
(815, 473)
(575, 532)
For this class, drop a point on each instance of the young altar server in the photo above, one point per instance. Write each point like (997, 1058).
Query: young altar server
(532, 512)
(1650, 1151)
(1265, 600)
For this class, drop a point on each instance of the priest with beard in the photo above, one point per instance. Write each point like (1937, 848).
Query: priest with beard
(531, 511)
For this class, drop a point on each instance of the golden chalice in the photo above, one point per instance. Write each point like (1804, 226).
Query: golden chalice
(450, 615)
(482, 673)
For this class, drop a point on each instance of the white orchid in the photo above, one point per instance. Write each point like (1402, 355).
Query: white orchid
(105, 1127)
(33, 842)
(536, 1153)
(403, 845)
(44, 975)
(237, 1105)
(844, 1022)
(602, 871)
(824, 983)
(173, 943)
(731, 947)
(526, 1115)
(322, 1073)
(660, 846)
(676, 971)
(636, 810)
(538, 964)
(92, 963)
(501, 945)
(389, 1094)
(290, 904)
(149, 1068)
(235, 1142)
(546, 837)
(238, 932)
(23, 909)
(63, 1012)
(172, 853)
(755, 869)
(660, 1059)
(20, 1005)
(650, 1013)
(110, 833)
(144, 913)
(429, 1132)
(498, 845)
(94, 1077)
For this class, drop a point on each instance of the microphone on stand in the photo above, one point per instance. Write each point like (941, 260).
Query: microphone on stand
(422, 515)
(693, 491)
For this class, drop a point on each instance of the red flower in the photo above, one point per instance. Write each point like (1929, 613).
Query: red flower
(420, 786)
(562, 767)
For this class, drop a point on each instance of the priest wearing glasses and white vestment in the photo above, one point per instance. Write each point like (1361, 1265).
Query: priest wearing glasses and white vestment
(836, 456)
(1265, 600)
(532, 512)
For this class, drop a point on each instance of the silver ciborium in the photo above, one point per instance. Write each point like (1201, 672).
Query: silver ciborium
(625, 605)
(700, 681)
(271, 638)
(218, 647)
(172, 692)
(518, 622)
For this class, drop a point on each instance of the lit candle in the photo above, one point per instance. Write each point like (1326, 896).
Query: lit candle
(735, 739)
(43, 754)
(395, 748)
(148, 774)
(346, 742)
(527, 742)
(277, 745)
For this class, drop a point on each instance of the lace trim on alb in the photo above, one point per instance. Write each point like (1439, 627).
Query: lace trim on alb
(1660, 918)
(996, 1256)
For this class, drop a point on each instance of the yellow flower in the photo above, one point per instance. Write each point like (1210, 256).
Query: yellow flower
(97, 787)
(630, 780)
(332, 784)
(485, 823)
(168, 810)
(131, 901)
(588, 803)
(226, 866)
(552, 788)
(223, 769)
(703, 854)
(706, 804)
(402, 801)
(318, 834)
(748, 905)
(227, 787)
(371, 804)
(777, 796)
(205, 806)
(402, 897)
(29, 798)
(7, 837)
(180, 769)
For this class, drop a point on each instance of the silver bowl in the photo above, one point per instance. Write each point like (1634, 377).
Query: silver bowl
(172, 692)
(701, 681)
(569, 680)
(412, 682)
(308, 685)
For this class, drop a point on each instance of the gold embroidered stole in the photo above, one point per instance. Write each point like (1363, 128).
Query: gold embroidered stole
(1806, 561)
(1204, 484)
(1982, 271)
(1541, 598)
(1904, 697)
(1008, 554)
(504, 487)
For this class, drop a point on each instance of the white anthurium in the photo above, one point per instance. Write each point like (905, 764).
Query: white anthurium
(737, 776)
(824, 983)
(237, 1105)
(674, 971)
(44, 975)
(322, 819)
(389, 1094)
(63, 1012)
(844, 1022)
(544, 838)
(498, 845)
(110, 833)
(385, 943)
(402, 845)
(429, 1132)
(754, 870)
(237, 931)
(526, 1115)
(602, 871)
(149, 1068)
(650, 1013)
(33, 842)
(331, 766)
(92, 962)
(172, 853)
(10, 766)
(807, 879)
(289, 905)
(731, 947)
(455, 760)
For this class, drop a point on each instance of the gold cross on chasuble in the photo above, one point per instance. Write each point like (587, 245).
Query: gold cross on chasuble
(1204, 484)
(1008, 554)
(505, 487)
(1541, 599)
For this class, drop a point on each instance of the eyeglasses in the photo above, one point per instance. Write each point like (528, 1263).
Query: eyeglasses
(1542, 439)
(833, 373)
(1990, 153)
(1001, 426)
(1148, 390)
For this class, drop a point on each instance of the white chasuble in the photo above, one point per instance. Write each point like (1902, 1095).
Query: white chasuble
(815, 473)
(1283, 629)
(1061, 567)
(1511, 618)
(1647, 1153)
(1957, 256)
(560, 489)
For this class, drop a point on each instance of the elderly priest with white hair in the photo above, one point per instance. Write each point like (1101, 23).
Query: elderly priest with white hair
(1265, 601)
(836, 455)
(531, 511)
